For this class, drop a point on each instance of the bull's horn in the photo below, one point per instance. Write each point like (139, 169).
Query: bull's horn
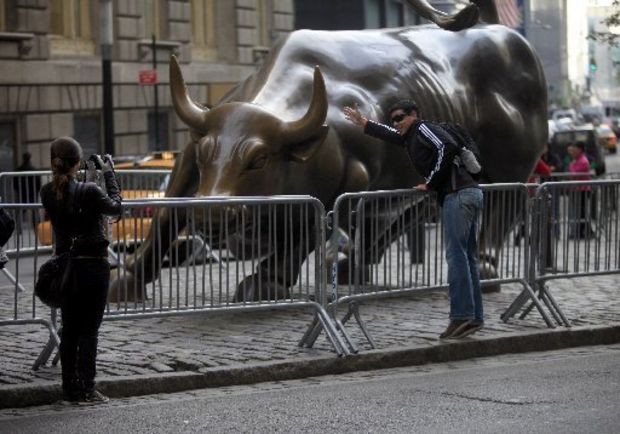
(191, 113)
(309, 124)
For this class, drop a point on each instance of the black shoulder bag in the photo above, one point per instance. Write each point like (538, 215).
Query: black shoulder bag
(54, 273)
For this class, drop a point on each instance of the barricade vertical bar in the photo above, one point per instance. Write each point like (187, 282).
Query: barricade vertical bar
(532, 212)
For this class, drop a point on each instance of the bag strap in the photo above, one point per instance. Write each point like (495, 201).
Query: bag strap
(77, 207)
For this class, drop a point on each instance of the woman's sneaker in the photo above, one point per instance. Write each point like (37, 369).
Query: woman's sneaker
(93, 397)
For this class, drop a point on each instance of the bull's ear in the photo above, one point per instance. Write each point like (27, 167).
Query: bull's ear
(303, 151)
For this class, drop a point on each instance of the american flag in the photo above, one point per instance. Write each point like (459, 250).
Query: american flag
(509, 13)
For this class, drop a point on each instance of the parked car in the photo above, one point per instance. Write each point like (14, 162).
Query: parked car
(608, 139)
(593, 147)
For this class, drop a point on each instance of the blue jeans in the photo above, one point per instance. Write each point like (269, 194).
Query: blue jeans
(460, 214)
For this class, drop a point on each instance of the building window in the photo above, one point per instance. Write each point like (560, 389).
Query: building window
(203, 29)
(412, 17)
(158, 142)
(265, 23)
(71, 19)
(372, 9)
(87, 131)
(2, 15)
(394, 14)
(7, 146)
(154, 19)
(71, 27)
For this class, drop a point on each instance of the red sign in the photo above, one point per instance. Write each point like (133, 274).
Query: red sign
(148, 76)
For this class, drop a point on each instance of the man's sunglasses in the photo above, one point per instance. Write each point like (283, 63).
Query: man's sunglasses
(398, 118)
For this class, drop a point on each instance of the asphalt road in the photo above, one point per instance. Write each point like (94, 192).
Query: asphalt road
(568, 391)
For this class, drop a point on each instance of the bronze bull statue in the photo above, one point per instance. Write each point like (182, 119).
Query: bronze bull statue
(281, 131)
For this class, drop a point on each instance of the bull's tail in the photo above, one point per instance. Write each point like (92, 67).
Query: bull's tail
(464, 19)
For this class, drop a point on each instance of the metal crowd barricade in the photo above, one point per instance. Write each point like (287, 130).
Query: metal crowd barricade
(18, 305)
(270, 255)
(23, 187)
(578, 232)
(390, 243)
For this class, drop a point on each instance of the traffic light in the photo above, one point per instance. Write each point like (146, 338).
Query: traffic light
(593, 66)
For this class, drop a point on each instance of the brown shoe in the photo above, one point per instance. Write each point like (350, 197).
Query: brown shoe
(454, 327)
(469, 329)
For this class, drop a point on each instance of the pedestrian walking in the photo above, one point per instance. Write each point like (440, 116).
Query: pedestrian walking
(580, 200)
(440, 160)
(77, 212)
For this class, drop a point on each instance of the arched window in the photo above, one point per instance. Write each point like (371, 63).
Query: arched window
(203, 30)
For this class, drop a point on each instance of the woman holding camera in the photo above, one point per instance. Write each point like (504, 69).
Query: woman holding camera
(77, 212)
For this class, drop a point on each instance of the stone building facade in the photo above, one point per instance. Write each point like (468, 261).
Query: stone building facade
(51, 73)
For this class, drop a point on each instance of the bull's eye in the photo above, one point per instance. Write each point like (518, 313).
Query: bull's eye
(258, 162)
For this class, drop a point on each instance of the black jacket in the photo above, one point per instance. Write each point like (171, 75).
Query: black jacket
(432, 151)
(82, 218)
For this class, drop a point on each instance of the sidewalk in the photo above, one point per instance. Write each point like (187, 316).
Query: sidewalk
(180, 353)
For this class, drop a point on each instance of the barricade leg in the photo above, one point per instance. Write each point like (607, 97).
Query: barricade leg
(347, 338)
(12, 279)
(52, 343)
(554, 308)
(514, 307)
(311, 331)
(332, 334)
(518, 303)
(354, 310)
(315, 328)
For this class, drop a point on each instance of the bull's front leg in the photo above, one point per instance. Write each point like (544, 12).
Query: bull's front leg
(144, 266)
(278, 272)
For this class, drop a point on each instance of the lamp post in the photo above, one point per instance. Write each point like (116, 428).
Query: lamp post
(107, 39)
(156, 96)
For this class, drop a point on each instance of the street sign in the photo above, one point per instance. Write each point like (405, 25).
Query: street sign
(147, 76)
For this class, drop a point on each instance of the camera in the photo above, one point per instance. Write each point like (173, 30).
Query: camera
(105, 158)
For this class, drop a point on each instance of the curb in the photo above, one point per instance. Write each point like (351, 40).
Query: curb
(48, 392)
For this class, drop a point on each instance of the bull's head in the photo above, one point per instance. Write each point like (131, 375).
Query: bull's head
(242, 149)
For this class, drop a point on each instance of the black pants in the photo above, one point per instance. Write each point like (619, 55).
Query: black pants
(581, 215)
(82, 311)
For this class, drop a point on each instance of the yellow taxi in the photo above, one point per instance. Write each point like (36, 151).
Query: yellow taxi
(607, 138)
(155, 160)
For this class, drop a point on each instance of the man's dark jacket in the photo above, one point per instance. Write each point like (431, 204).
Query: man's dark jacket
(432, 152)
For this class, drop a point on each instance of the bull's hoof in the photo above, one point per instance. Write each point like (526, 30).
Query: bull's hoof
(254, 289)
(487, 272)
(124, 287)
(466, 18)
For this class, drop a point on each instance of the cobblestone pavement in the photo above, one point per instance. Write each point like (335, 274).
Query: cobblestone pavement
(201, 342)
